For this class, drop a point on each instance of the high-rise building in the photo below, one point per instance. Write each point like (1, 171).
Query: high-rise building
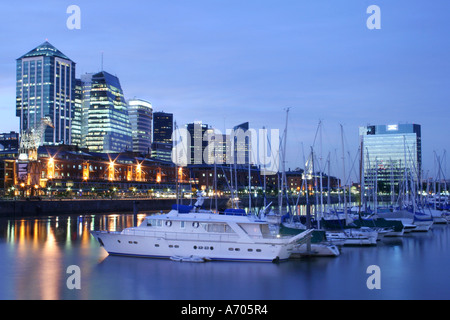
(197, 143)
(162, 127)
(109, 127)
(45, 87)
(86, 84)
(392, 154)
(77, 113)
(140, 114)
(162, 136)
(241, 143)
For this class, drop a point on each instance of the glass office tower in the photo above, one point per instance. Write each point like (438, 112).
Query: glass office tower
(162, 127)
(77, 113)
(140, 114)
(109, 127)
(392, 154)
(45, 87)
(162, 136)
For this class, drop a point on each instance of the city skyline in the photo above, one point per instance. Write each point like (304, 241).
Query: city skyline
(228, 64)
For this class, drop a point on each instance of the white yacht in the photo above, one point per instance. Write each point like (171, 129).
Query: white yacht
(189, 232)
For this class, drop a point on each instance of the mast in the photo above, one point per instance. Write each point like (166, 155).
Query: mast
(264, 174)
(215, 182)
(283, 177)
(361, 177)
(249, 188)
(176, 171)
(343, 170)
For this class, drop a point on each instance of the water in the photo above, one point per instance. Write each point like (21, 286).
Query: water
(35, 255)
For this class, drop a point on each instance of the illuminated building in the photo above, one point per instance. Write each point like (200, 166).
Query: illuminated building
(392, 153)
(86, 84)
(77, 113)
(109, 127)
(140, 115)
(162, 127)
(62, 167)
(242, 143)
(197, 144)
(45, 87)
(162, 136)
(9, 141)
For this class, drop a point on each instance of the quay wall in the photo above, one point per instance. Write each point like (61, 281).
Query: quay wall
(46, 207)
(24, 208)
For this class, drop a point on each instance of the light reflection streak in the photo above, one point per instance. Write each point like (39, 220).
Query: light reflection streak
(43, 248)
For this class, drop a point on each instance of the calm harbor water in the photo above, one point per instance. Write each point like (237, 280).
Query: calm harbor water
(36, 252)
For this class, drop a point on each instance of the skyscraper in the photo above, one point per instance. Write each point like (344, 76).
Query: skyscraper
(86, 84)
(241, 143)
(391, 153)
(162, 136)
(140, 114)
(45, 87)
(109, 127)
(162, 127)
(77, 113)
(197, 143)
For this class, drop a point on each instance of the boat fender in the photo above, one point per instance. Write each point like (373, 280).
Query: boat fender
(195, 224)
(169, 223)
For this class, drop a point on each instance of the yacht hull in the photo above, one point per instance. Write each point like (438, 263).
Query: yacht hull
(116, 243)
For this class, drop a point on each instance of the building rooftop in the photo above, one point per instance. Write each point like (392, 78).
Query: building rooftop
(45, 49)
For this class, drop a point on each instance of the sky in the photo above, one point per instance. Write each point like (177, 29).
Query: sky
(224, 62)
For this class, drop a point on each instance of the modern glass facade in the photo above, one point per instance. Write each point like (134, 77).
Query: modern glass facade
(162, 136)
(162, 127)
(45, 87)
(140, 114)
(109, 127)
(392, 153)
(242, 143)
(197, 143)
(86, 84)
(77, 113)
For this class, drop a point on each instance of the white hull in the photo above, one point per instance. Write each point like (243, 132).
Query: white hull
(423, 226)
(352, 238)
(160, 247)
(318, 249)
(439, 217)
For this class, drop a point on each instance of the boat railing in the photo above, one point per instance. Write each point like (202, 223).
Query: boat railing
(194, 236)
(182, 235)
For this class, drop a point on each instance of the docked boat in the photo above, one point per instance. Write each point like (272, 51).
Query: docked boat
(413, 222)
(363, 236)
(315, 249)
(186, 231)
(439, 217)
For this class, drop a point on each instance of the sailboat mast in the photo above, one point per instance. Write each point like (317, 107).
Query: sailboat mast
(283, 163)
(361, 177)
(264, 174)
(343, 170)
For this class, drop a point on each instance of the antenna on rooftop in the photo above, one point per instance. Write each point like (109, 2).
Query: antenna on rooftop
(102, 62)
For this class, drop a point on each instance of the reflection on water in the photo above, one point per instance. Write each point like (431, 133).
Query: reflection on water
(35, 254)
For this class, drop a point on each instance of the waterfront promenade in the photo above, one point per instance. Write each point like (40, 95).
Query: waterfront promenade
(46, 207)
(61, 206)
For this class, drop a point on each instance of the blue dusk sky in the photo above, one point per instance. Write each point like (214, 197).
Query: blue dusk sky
(225, 62)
